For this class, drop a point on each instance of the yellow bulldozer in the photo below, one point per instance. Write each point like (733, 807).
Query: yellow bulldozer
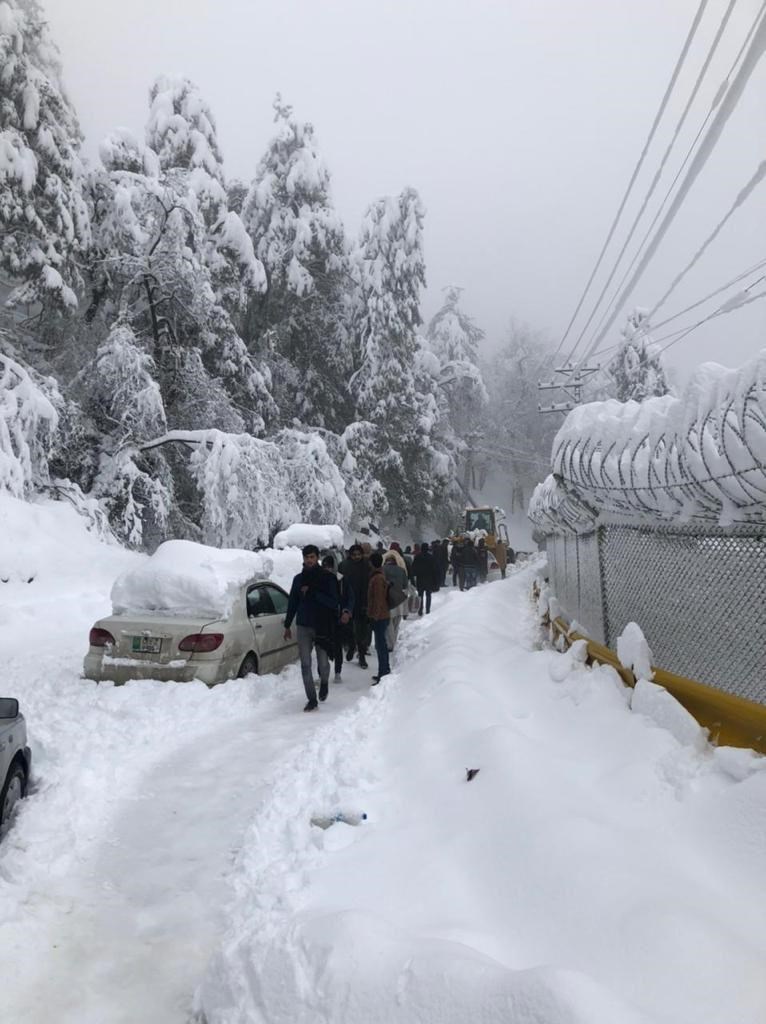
(489, 520)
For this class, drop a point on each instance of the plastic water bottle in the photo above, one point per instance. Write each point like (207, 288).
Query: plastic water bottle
(348, 818)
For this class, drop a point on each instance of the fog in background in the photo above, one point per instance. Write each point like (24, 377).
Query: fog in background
(519, 122)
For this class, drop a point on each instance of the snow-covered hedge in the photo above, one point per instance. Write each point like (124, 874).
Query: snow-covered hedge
(700, 456)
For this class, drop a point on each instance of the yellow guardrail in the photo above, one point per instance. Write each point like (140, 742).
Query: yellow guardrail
(732, 721)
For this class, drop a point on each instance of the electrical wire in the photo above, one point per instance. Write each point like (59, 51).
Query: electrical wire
(711, 295)
(679, 335)
(726, 103)
(658, 174)
(658, 116)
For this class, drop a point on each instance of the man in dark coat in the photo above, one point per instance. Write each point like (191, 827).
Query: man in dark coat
(482, 553)
(356, 569)
(470, 565)
(314, 603)
(456, 560)
(424, 575)
(344, 635)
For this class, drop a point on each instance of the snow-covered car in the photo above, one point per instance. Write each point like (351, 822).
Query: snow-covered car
(191, 612)
(15, 757)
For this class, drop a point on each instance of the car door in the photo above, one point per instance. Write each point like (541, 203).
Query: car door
(262, 618)
(288, 649)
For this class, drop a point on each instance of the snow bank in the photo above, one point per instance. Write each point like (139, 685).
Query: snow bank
(595, 871)
(184, 578)
(300, 534)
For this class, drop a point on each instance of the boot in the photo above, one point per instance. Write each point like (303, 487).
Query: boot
(323, 691)
(311, 706)
(362, 661)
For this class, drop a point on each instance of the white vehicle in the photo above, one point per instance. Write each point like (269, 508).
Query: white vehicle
(15, 757)
(192, 612)
(249, 639)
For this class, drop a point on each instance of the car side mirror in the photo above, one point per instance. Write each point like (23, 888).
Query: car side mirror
(9, 707)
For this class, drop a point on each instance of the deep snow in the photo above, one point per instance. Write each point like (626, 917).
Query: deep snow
(599, 867)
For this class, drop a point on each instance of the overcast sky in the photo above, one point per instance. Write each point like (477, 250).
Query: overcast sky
(519, 122)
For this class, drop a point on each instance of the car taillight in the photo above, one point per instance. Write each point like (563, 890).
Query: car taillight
(100, 638)
(201, 643)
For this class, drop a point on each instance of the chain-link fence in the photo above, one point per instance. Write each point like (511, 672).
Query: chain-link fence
(697, 593)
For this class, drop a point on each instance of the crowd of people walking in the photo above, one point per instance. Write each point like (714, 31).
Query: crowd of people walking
(340, 608)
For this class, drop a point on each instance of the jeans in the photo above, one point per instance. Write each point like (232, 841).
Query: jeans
(380, 628)
(305, 646)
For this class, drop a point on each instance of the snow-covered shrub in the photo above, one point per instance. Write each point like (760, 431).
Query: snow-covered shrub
(27, 421)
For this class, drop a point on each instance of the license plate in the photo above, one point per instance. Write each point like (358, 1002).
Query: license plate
(146, 644)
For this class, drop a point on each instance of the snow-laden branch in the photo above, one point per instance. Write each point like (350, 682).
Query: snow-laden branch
(698, 457)
(27, 420)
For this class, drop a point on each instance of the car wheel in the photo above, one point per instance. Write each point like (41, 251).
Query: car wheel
(14, 789)
(248, 667)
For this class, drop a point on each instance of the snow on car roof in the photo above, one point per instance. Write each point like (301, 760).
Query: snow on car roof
(185, 578)
(323, 535)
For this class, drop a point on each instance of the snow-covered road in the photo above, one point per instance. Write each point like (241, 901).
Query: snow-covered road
(600, 869)
(141, 914)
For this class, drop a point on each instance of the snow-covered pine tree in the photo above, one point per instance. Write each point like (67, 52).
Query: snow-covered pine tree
(298, 236)
(43, 216)
(152, 244)
(181, 130)
(515, 438)
(390, 392)
(454, 339)
(637, 366)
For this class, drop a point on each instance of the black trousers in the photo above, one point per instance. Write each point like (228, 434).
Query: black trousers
(421, 592)
(361, 636)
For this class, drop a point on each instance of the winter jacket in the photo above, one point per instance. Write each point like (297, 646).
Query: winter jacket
(469, 558)
(397, 578)
(424, 571)
(318, 605)
(377, 597)
(358, 576)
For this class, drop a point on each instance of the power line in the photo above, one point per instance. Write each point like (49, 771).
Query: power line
(668, 91)
(658, 173)
(711, 295)
(726, 105)
(723, 310)
(687, 157)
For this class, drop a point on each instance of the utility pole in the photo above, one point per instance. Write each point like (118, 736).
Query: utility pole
(571, 388)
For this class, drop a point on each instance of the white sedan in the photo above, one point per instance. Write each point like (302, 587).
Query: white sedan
(181, 648)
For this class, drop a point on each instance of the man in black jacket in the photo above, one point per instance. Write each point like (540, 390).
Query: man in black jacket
(314, 603)
(424, 573)
(356, 569)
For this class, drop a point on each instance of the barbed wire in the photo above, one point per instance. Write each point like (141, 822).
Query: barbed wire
(702, 456)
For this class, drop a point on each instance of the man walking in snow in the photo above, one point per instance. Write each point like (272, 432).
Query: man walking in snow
(314, 603)
(424, 573)
(356, 569)
(378, 611)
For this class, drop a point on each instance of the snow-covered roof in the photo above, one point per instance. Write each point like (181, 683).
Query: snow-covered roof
(184, 578)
